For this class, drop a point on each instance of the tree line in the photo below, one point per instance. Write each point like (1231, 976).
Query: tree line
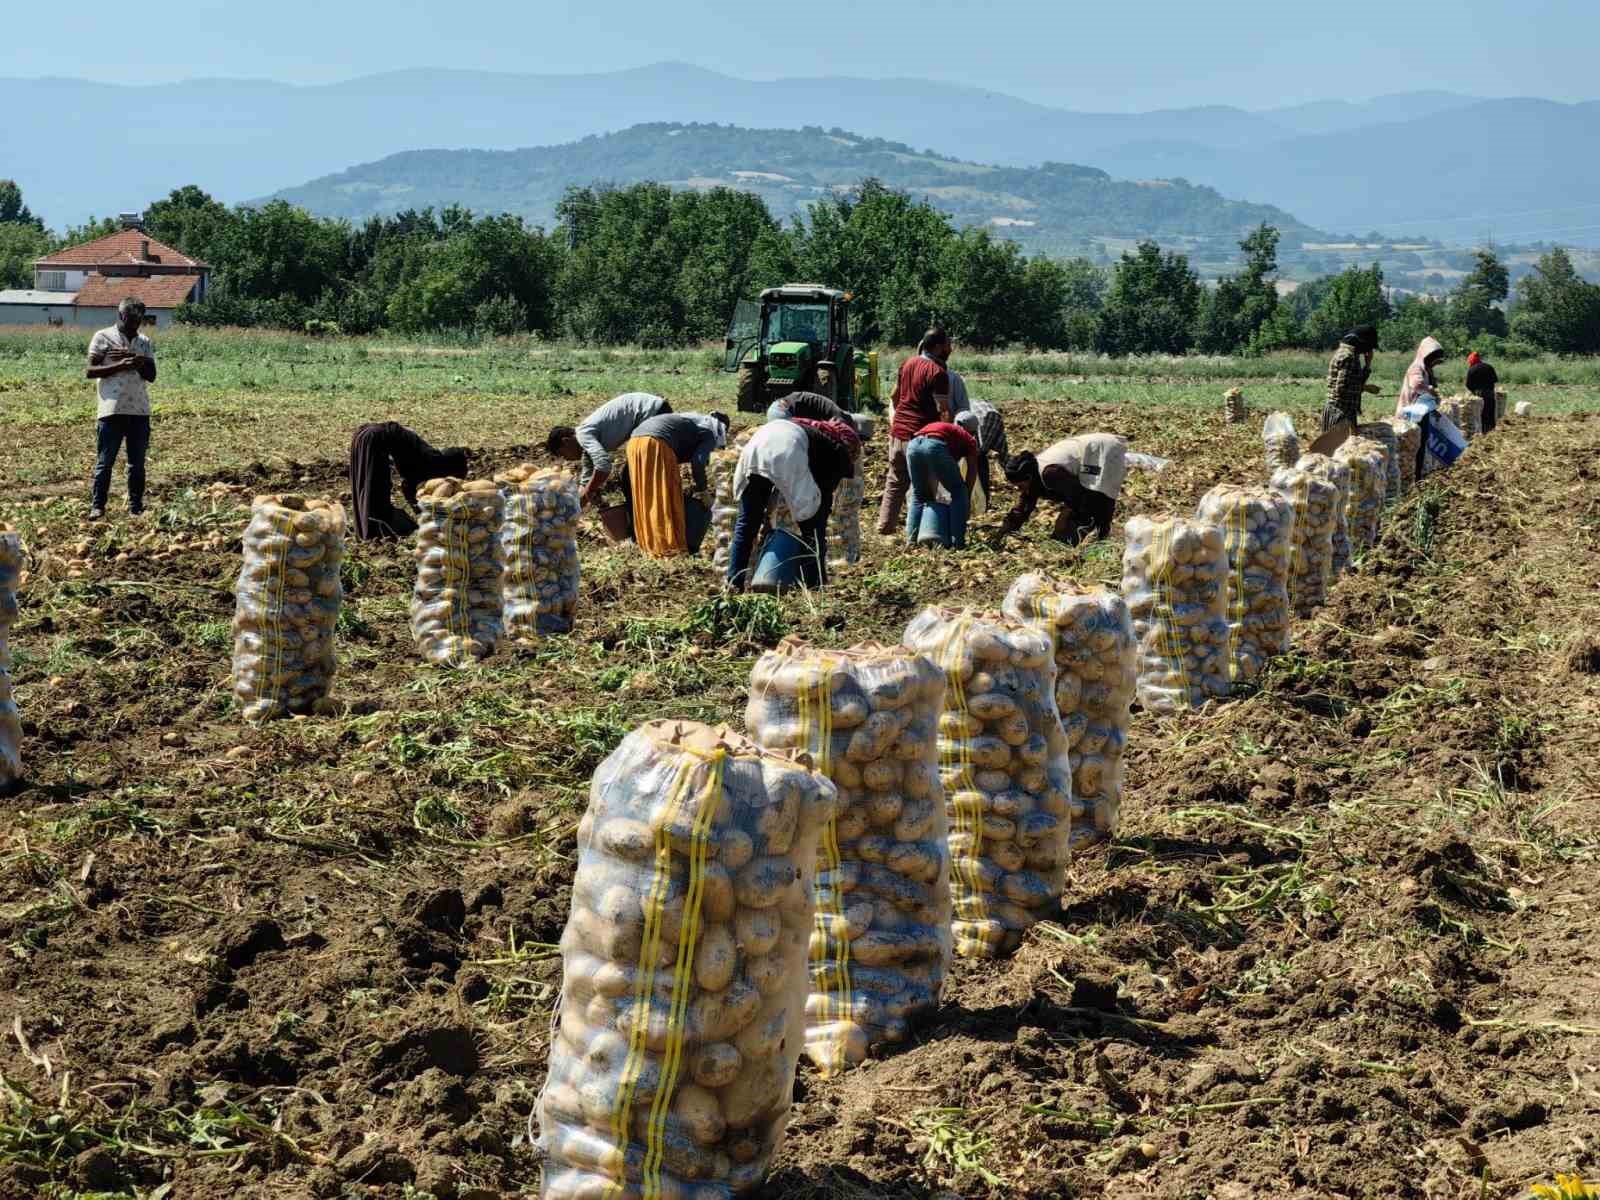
(648, 265)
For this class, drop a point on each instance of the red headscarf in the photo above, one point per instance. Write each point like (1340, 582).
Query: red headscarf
(1473, 359)
(840, 431)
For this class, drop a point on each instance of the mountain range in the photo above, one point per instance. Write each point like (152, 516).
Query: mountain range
(1420, 163)
(1054, 208)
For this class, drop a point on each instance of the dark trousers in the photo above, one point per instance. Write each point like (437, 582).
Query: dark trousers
(110, 435)
(1084, 513)
(371, 484)
(753, 507)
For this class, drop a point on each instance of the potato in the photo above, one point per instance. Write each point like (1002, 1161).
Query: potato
(716, 1065)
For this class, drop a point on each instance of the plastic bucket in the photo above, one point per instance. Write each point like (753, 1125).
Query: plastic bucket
(784, 562)
(616, 520)
(696, 520)
(935, 527)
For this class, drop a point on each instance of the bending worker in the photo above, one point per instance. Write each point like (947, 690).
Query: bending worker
(984, 422)
(921, 397)
(373, 451)
(656, 451)
(1347, 377)
(1082, 474)
(804, 461)
(934, 458)
(596, 441)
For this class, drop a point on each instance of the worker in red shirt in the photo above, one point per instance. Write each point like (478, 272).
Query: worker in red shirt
(921, 396)
(933, 458)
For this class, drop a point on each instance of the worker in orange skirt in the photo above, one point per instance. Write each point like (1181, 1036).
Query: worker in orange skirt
(656, 451)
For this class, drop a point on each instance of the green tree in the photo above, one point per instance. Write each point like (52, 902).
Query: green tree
(192, 221)
(1151, 306)
(12, 210)
(281, 253)
(1474, 305)
(1556, 308)
(1241, 304)
(981, 294)
(20, 244)
(1353, 297)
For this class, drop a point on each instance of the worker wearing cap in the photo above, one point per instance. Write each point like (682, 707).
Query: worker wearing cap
(1082, 474)
(1347, 377)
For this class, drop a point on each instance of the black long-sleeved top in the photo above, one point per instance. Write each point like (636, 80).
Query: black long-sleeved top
(373, 451)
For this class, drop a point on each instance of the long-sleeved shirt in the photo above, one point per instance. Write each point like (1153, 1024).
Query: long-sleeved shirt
(812, 406)
(1091, 462)
(1482, 381)
(690, 436)
(828, 457)
(1347, 375)
(991, 428)
(608, 428)
(780, 451)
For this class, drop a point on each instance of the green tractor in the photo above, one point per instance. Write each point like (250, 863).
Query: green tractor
(796, 338)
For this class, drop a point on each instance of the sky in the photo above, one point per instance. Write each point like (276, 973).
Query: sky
(1124, 56)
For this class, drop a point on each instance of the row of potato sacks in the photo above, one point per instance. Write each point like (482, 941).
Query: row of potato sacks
(286, 605)
(683, 998)
(11, 555)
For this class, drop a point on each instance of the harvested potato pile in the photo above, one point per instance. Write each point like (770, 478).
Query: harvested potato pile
(1408, 440)
(1006, 774)
(1337, 473)
(539, 543)
(1234, 410)
(684, 978)
(869, 718)
(287, 601)
(1258, 536)
(1175, 580)
(1369, 483)
(1385, 435)
(456, 607)
(1314, 501)
(10, 719)
(1096, 667)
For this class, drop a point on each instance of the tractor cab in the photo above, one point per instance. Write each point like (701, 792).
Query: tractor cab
(795, 338)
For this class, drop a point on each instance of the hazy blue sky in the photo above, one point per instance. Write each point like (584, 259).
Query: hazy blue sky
(1108, 56)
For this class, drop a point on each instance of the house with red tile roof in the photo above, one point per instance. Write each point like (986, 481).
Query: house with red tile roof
(83, 284)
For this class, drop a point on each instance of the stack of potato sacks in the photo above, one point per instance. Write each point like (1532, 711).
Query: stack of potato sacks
(1006, 774)
(10, 719)
(1234, 411)
(456, 607)
(287, 601)
(869, 718)
(1337, 473)
(1096, 668)
(1408, 441)
(1369, 484)
(683, 994)
(539, 544)
(1316, 506)
(1257, 526)
(1388, 437)
(1175, 580)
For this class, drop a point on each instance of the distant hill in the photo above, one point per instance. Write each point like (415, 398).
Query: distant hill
(1050, 207)
(1461, 157)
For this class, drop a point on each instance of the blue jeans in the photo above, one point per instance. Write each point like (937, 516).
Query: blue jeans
(110, 434)
(753, 514)
(929, 463)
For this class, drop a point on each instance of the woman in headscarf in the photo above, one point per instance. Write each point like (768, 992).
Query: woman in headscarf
(658, 448)
(1347, 377)
(1420, 388)
(375, 449)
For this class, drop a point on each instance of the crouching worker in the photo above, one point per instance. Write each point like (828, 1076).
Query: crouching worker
(804, 461)
(933, 460)
(1082, 474)
(596, 441)
(656, 451)
(375, 449)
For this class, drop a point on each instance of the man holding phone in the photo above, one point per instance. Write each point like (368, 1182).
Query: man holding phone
(123, 365)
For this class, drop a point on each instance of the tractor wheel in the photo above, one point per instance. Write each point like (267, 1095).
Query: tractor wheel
(752, 388)
(824, 379)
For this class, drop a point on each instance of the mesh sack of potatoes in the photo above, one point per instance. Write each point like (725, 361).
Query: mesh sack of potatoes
(1337, 473)
(1096, 668)
(1386, 436)
(1314, 500)
(1455, 408)
(539, 544)
(10, 720)
(1408, 440)
(684, 980)
(1369, 484)
(869, 718)
(1499, 405)
(1258, 536)
(1234, 411)
(287, 601)
(724, 505)
(1175, 580)
(456, 605)
(1005, 771)
(1281, 441)
(844, 523)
